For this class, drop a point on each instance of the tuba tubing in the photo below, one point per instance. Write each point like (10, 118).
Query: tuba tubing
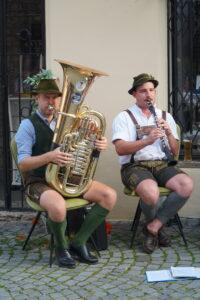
(76, 130)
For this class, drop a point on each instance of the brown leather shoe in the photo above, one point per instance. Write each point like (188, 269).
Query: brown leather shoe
(163, 238)
(150, 242)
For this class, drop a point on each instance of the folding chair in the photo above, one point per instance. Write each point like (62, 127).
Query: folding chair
(136, 219)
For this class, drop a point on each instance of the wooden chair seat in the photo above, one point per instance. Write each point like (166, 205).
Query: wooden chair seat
(72, 203)
(163, 192)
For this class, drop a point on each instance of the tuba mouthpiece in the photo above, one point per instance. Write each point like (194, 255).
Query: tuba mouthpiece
(51, 107)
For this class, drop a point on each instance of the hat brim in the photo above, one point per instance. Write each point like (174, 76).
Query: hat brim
(133, 89)
(45, 92)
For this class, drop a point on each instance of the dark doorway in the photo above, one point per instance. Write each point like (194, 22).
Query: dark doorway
(22, 53)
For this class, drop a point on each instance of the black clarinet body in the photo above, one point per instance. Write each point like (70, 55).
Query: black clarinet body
(169, 156)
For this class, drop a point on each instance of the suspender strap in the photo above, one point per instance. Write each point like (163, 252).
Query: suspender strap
(134, 122)
(132, 117)
(138, 126)
(164, 115)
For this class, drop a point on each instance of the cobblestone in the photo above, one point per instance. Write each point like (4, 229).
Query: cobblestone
(120, 273)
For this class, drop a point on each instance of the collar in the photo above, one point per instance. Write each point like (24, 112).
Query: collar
(43, 118)
(137, 109)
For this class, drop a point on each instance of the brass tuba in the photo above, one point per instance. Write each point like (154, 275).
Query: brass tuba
(76, 130)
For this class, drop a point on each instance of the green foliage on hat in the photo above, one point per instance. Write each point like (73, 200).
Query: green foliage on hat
(34, 80)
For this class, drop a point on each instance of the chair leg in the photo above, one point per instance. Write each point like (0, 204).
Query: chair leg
(180, 227)
(135, 223)
(51, 250)
(32, 228)
(137, 215)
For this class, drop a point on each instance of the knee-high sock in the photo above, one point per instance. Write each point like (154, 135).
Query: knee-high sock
(92, 220)
(58, 229)
(150, 211)
(170, 207)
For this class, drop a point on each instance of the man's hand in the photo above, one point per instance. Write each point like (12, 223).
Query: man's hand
(60, 158)
(165, 126)
(155, 134)
(101, 144)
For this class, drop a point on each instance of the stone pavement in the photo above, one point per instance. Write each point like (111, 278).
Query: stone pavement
(120, 273)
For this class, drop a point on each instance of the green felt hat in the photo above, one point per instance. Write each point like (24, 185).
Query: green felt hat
(140, 80)
(47, 86)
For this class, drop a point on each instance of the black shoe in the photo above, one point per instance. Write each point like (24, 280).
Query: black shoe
(64, 259)
(151, 241)
(163, 239)
(82, 254)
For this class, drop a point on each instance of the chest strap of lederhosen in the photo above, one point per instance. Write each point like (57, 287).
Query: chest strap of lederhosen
(135, 122)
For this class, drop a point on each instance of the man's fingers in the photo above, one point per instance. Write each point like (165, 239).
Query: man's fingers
(64, 158)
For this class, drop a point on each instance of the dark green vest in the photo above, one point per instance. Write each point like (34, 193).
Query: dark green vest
(43, 141)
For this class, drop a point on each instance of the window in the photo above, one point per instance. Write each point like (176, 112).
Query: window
(184, 68)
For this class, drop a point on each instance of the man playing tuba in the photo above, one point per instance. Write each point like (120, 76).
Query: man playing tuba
(34, 138)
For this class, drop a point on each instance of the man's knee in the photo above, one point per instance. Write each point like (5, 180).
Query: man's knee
(149, 192)
(57, 212)
(55, 205)
(109, 197)
(151, 198)
(187, 186)
(183, 185)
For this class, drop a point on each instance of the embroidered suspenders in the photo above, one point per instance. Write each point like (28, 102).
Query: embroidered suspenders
(145, 129)
(136, 123)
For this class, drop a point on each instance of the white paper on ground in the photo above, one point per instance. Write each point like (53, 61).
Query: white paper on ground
(197, 272)
(161, 275)
(188, 272)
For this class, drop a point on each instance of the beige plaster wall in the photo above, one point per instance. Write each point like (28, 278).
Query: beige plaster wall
(123, 38)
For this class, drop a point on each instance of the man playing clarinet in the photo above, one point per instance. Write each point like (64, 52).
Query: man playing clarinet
(144, 136)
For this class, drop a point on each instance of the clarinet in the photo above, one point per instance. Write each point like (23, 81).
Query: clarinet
(169, 157)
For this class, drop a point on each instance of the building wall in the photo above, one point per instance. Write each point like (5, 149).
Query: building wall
(122, 38)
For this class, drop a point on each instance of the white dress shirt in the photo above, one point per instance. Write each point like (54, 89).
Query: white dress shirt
(124, 129)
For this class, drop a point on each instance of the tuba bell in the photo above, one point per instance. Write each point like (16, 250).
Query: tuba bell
(76, 130)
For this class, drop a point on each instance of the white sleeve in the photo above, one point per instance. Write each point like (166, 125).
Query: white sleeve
(170, 120)
(123, 128)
